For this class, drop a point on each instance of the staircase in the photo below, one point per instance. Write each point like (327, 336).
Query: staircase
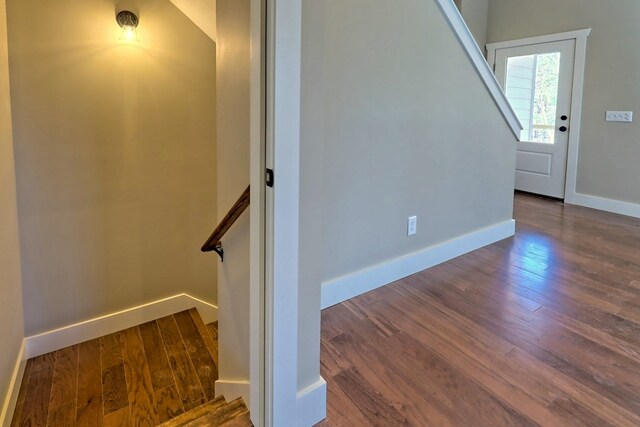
(159, 373)
(217, 412)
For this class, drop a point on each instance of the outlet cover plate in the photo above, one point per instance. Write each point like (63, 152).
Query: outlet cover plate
(619, 116)
(412, 225)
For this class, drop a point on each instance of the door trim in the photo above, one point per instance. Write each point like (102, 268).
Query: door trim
(283, 77)
(258, 359)
(580, 37)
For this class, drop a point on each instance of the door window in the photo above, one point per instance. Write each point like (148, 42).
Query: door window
(532, 89)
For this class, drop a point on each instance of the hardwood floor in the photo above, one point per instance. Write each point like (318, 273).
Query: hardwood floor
(539, 329)
(146, 375)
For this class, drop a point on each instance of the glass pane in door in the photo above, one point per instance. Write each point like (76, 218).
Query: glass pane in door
(532, 89)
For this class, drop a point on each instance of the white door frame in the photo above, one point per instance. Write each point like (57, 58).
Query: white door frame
(284, 403)
(282, 134)
(580, 37)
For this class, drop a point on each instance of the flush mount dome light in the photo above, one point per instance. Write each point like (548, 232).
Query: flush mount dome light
(129, 22)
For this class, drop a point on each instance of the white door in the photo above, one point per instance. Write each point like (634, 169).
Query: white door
(538, 79)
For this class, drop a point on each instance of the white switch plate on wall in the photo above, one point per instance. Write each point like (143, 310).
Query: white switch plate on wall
(620, 116)
(412, 225)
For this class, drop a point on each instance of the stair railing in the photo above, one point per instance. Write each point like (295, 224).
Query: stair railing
(214, 242)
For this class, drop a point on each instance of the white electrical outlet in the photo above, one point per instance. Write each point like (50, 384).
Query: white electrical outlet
(412, 225)
(619, 116)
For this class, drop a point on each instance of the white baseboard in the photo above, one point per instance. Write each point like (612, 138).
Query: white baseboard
(11, 398)
(351, 285)
(609, 205)
(311, 404)
(234, 389)
(93, 328)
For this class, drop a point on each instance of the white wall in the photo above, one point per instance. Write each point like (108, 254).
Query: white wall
(609, 152)
(395, 122)
(115, 157)
(233, 107)
(11, 320)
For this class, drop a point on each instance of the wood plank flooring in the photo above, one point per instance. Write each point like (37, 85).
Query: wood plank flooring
(539, 329)
(146, 375)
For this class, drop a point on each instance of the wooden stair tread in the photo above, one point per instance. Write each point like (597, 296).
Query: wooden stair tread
(195, 413)
(211, 343)
(244, 420)
(224, 415)
(215, 413)
(212, 329)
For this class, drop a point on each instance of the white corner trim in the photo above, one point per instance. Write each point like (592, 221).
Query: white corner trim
(609, 205)
(579, 61)
(9, 404)
(311, 404)
(351, 285)
(94, 328)
(459, 27)
(233, 389)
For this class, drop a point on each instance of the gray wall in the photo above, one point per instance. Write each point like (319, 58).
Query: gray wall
(395, 122)
(11, 324)
(233, 74)
(115, 157)
(475, 13)
(609, 152)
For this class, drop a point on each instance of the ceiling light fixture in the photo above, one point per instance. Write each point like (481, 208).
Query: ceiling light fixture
(129, 22)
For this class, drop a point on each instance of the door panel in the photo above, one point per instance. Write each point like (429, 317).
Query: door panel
(537, 80)
(539, 163)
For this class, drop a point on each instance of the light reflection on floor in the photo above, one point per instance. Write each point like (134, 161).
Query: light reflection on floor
(530, 260)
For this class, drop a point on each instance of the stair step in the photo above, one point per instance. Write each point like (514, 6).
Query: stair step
(212, 328)
(210, 343)
(229, 415)
(209, 407)
(215, 413)
(243, 420)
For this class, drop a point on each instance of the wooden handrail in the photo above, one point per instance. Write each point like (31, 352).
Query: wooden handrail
(214, 243)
